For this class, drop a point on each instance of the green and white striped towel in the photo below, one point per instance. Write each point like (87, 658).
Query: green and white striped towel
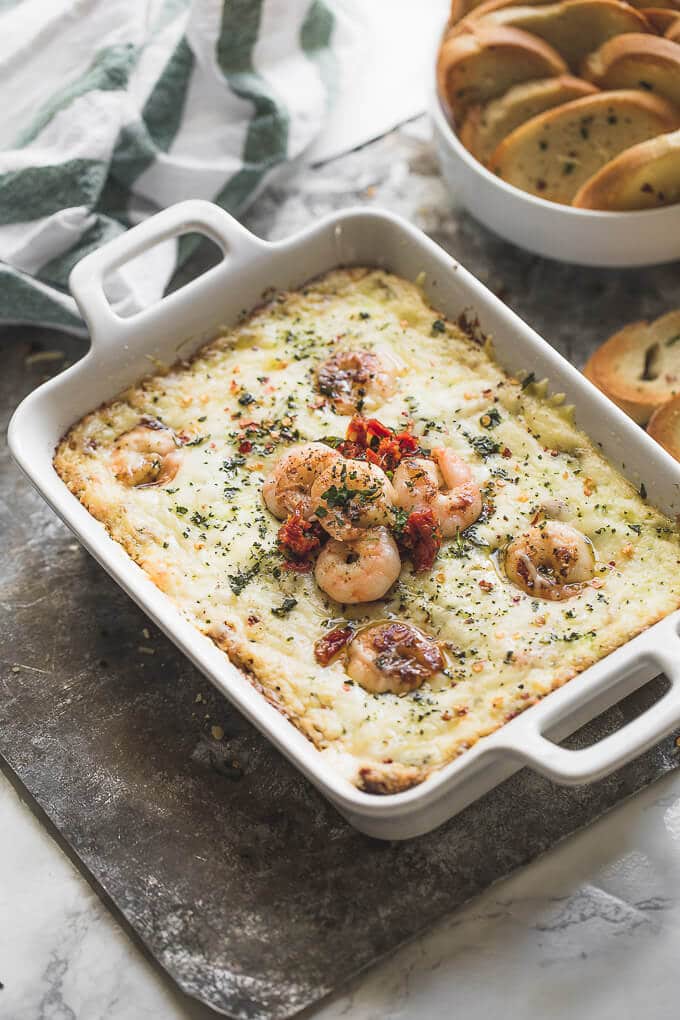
(115, 108)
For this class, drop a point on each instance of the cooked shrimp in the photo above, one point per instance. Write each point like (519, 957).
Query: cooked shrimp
(445, 484)
(550, 561)
(350, 377)
(360, 571)
(396, 657)
(147, 454)
(290, 483)
(351, 496)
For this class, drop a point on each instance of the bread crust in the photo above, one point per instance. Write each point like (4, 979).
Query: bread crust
(637, 61)
(485, 62)
(646, 176)
(664, 426)
(555, 153)
(638, 368)
(661, 18)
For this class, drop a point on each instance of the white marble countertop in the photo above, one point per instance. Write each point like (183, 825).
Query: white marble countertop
(592, 929)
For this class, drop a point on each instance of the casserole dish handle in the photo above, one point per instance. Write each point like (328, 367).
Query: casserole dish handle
(572, 767)
(194, 216)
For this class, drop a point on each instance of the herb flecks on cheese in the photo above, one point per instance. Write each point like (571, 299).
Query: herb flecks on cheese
(207, 540)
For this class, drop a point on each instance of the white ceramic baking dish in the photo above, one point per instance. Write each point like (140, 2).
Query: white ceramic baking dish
(123, 350)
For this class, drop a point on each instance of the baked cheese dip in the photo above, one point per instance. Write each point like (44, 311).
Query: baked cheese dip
(401, 546)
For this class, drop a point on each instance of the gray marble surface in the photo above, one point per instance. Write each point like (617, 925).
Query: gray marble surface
(593, 927)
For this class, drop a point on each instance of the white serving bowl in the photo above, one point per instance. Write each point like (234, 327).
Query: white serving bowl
(588, 238)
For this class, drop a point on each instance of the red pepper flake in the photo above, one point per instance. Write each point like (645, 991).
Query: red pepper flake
(298, 540)
(245, 446)
(506, 452)
(328, 646)
(486, 585)
(421, 538)
(252, 619)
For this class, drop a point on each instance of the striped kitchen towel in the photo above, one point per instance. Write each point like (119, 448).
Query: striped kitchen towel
(113, 109)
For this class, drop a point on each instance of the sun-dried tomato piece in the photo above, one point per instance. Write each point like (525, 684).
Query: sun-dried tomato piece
(421, 538)
(328, 646)
(298, 540)
(369, 439)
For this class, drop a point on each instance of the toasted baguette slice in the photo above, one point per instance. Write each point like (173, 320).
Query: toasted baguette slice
(573, 28)
(646, 176)
(673, 32)
(485, 127)
(555, 153)
(664, 426)
(661, 18)
(637, 62)
(641, 5)
(461, 8)
(485, 62)
(639, 367)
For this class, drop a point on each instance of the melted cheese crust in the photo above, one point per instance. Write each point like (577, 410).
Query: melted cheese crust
(208, 542)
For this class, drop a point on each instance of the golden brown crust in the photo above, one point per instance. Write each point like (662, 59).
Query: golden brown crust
(661, 18)
(384, 779)
(636, 61)
(482, 63)
(664, 426)
(646, 176)
(638, 368)
(554, 154)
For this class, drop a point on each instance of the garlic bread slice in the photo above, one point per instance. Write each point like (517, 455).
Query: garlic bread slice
(637, 61)
(664, 426)
(486, 125)
(574, 28)
(661, 18)
(639, 367)
(483, 63)
(554, 154)
(646, 176)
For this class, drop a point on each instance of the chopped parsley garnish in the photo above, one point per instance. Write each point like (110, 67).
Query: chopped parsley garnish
(246, 398)
(528, 380)
(181, 509)
(485, 446)
(239, 581)
(286, 606)
(490, 418)
(197, 441)
(439, 326)
(341, 496)
(400, 517)
(231, 463)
